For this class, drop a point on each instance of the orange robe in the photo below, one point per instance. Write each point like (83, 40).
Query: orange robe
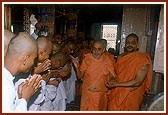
(111, 56)
(96, 73)
(122, 99)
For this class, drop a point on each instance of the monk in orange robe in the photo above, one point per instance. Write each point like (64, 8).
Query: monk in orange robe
(96, 69)
(134, 74)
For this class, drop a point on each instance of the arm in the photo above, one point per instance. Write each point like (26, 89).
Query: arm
(112, 77)
(77, 65)
(79, 73)
(65, 72)
(140, 77)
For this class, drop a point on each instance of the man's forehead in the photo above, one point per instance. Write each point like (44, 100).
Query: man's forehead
(98, 44)
(131, 39)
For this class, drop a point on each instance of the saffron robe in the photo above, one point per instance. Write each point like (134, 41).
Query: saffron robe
(121, 98)
(96, 73)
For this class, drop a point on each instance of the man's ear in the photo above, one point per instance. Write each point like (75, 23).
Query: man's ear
(104, 50)
(25, 59)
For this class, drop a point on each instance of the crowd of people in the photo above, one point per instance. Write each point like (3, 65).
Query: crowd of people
(41, 74)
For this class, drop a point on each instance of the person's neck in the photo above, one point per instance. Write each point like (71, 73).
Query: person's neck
(11, 66)
(130, 52)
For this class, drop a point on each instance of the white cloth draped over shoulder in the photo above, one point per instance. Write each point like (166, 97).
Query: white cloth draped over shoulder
(10, 95)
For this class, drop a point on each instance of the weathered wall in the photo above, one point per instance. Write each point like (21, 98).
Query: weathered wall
(134, 21)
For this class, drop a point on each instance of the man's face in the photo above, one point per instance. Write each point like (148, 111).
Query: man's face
(98, 50)
(30, 61)
(55, 63)
(69, 49)
(55, 49)
(131, 44)
(44, 55)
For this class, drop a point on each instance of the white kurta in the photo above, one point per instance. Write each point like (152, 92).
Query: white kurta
(69, 85)
(10, 95)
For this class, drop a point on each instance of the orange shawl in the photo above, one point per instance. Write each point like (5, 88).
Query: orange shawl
(126, 69)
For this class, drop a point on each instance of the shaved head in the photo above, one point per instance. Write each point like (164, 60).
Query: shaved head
(43, 43)
(70, 48)
(22, 43)
(44, 48)
(21, 53)
(7, 37)
(60, 56)
(101, 42)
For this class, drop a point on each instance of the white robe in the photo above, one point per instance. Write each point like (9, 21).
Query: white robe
(54, 98)
(69, 85)
(37, 99)
(10, 95)
(60, 101)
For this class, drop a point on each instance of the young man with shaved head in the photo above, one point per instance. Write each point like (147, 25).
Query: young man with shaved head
(44, 51)
(42, 65)
(55, 96)
(96, 69)
(22, 51)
